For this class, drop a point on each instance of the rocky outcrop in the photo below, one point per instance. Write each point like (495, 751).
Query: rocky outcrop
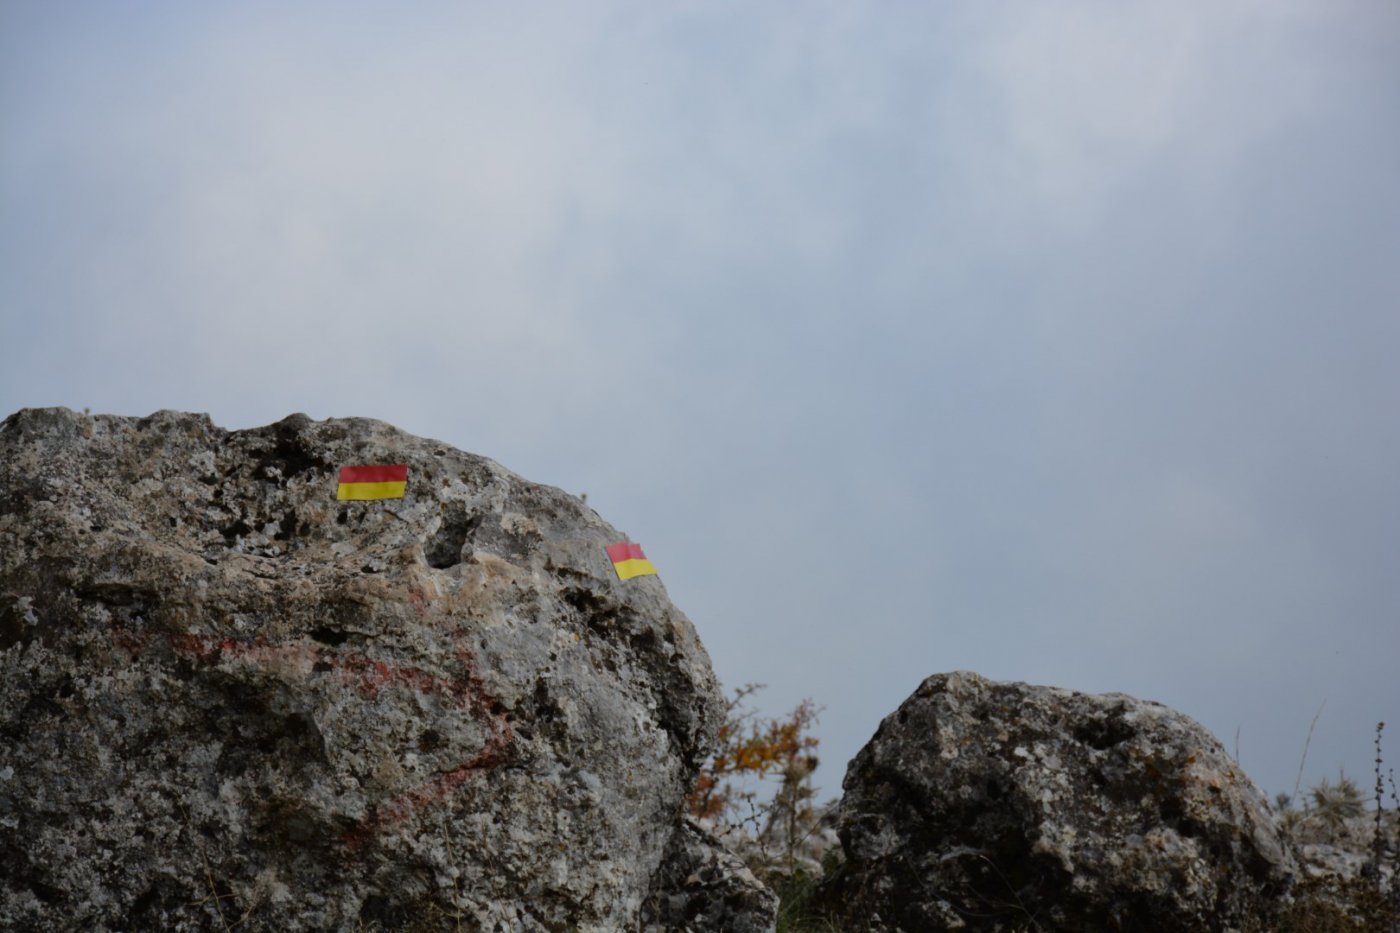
(227, 697)
(1003, 806)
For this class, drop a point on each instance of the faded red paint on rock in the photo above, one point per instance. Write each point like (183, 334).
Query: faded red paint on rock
(369, 676)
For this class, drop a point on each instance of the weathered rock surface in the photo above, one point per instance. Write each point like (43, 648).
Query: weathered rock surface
(1343, 848)
(995, 806)
(704, 886)
(1348, 875)
(225, 696)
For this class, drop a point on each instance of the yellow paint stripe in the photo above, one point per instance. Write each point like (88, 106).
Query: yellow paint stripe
(628, 569)
(360, 491)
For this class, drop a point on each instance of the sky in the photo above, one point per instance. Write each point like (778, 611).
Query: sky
(1056, 341)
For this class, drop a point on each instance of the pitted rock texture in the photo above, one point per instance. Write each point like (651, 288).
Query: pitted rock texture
(705, 887)
(1003, 806)
(227, 698)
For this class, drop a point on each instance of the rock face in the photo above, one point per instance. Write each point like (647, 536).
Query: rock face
(999, 806)
(226, 696)
(704, 886)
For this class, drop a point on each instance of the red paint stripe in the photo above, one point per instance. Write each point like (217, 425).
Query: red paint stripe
(370, 675)
(625, 550)
(395, 473)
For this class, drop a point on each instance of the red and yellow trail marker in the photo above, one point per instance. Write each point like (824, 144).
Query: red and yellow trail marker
(629, 561)
(372, 482)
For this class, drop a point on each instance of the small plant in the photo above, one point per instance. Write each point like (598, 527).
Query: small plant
(749, 748)
(1336, 803)
(769, 833)
(1304, 760)
(1378, 840)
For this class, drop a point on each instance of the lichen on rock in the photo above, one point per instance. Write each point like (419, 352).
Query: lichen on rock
(226, 696)
(1003, 806)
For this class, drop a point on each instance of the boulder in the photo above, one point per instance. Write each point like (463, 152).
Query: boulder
(229, 699)
(1004, 806)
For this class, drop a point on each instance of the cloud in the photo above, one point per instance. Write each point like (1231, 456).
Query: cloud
(1046, 341)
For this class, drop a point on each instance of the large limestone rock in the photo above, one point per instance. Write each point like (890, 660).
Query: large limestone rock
(227, 698)
(1003, 806)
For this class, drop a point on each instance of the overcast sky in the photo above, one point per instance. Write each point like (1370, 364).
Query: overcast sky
(1056, 341)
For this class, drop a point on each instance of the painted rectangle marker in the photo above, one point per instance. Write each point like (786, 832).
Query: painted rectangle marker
(629, 561)
(359, 483)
